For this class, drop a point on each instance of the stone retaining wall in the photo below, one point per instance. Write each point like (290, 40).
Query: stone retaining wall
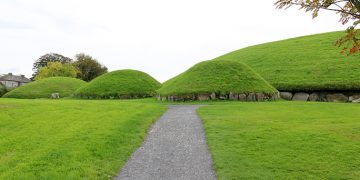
(322, 96)
(218, 96)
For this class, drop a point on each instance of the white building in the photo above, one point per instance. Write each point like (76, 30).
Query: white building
(12, 81)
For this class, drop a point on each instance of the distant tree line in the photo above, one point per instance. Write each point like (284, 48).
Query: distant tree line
(82, 67)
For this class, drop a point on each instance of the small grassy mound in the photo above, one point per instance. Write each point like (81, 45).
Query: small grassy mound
(305, 63)
(43, 88)
(123, 84)
(219, 77)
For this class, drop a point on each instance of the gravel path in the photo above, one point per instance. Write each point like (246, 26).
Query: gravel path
(175, 148)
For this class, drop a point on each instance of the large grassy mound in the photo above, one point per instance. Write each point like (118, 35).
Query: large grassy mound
(303, 63)
(219, 77)
(43, 88)
(120, 84)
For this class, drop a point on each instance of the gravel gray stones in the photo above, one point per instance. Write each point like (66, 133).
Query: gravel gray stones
(175, 148)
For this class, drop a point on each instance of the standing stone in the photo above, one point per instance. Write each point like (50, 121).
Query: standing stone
(275, 96)
(187, 97)
(213, 96)
(203, 97)
(233, 96)
(242, 97)
(223, 97)
(322, 96)
(354, 97)
(55, 96)
(163, 98)
(286, 95)
(251, 97)
(338, 97)
(260, 96)
(300, 97)
(314, 97)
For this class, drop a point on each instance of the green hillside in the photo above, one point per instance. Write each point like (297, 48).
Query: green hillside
(216, 76)
(43, 88)
(120, 84)
(303, 63)
(2, 90)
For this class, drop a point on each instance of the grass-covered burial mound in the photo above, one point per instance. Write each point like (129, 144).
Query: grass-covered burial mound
(218, 79)
(309, 63)
(121, 84)
(43, 88)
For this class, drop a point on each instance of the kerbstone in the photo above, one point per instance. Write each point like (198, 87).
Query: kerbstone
(300, 97)
(286, 95)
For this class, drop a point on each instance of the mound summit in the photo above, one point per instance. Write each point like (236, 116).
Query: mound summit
(43, 88)
(308, 63)
(121, 84)
(217, 79)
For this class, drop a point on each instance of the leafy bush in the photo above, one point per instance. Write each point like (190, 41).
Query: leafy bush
(54, 69)
(45, 59)
(88, 67)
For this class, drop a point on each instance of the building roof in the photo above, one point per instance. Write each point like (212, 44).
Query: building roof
(16, 78)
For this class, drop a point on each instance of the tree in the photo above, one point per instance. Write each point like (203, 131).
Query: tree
(45, 59)
(349, 10)
(88, 67)
(56, 69)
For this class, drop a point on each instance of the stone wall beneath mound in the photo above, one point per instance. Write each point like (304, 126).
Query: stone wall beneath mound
(218, 96)
(353, 97)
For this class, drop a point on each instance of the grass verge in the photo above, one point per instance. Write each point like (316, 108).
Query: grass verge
(70, 139)
(283, 140)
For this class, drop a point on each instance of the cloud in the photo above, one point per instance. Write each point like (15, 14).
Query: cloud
(13, 25)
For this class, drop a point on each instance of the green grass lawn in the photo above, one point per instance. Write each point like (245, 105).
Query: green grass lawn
(71, 139)
(303, 63)
(284, 140)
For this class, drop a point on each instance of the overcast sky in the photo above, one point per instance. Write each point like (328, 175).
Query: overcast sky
(160, 37)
